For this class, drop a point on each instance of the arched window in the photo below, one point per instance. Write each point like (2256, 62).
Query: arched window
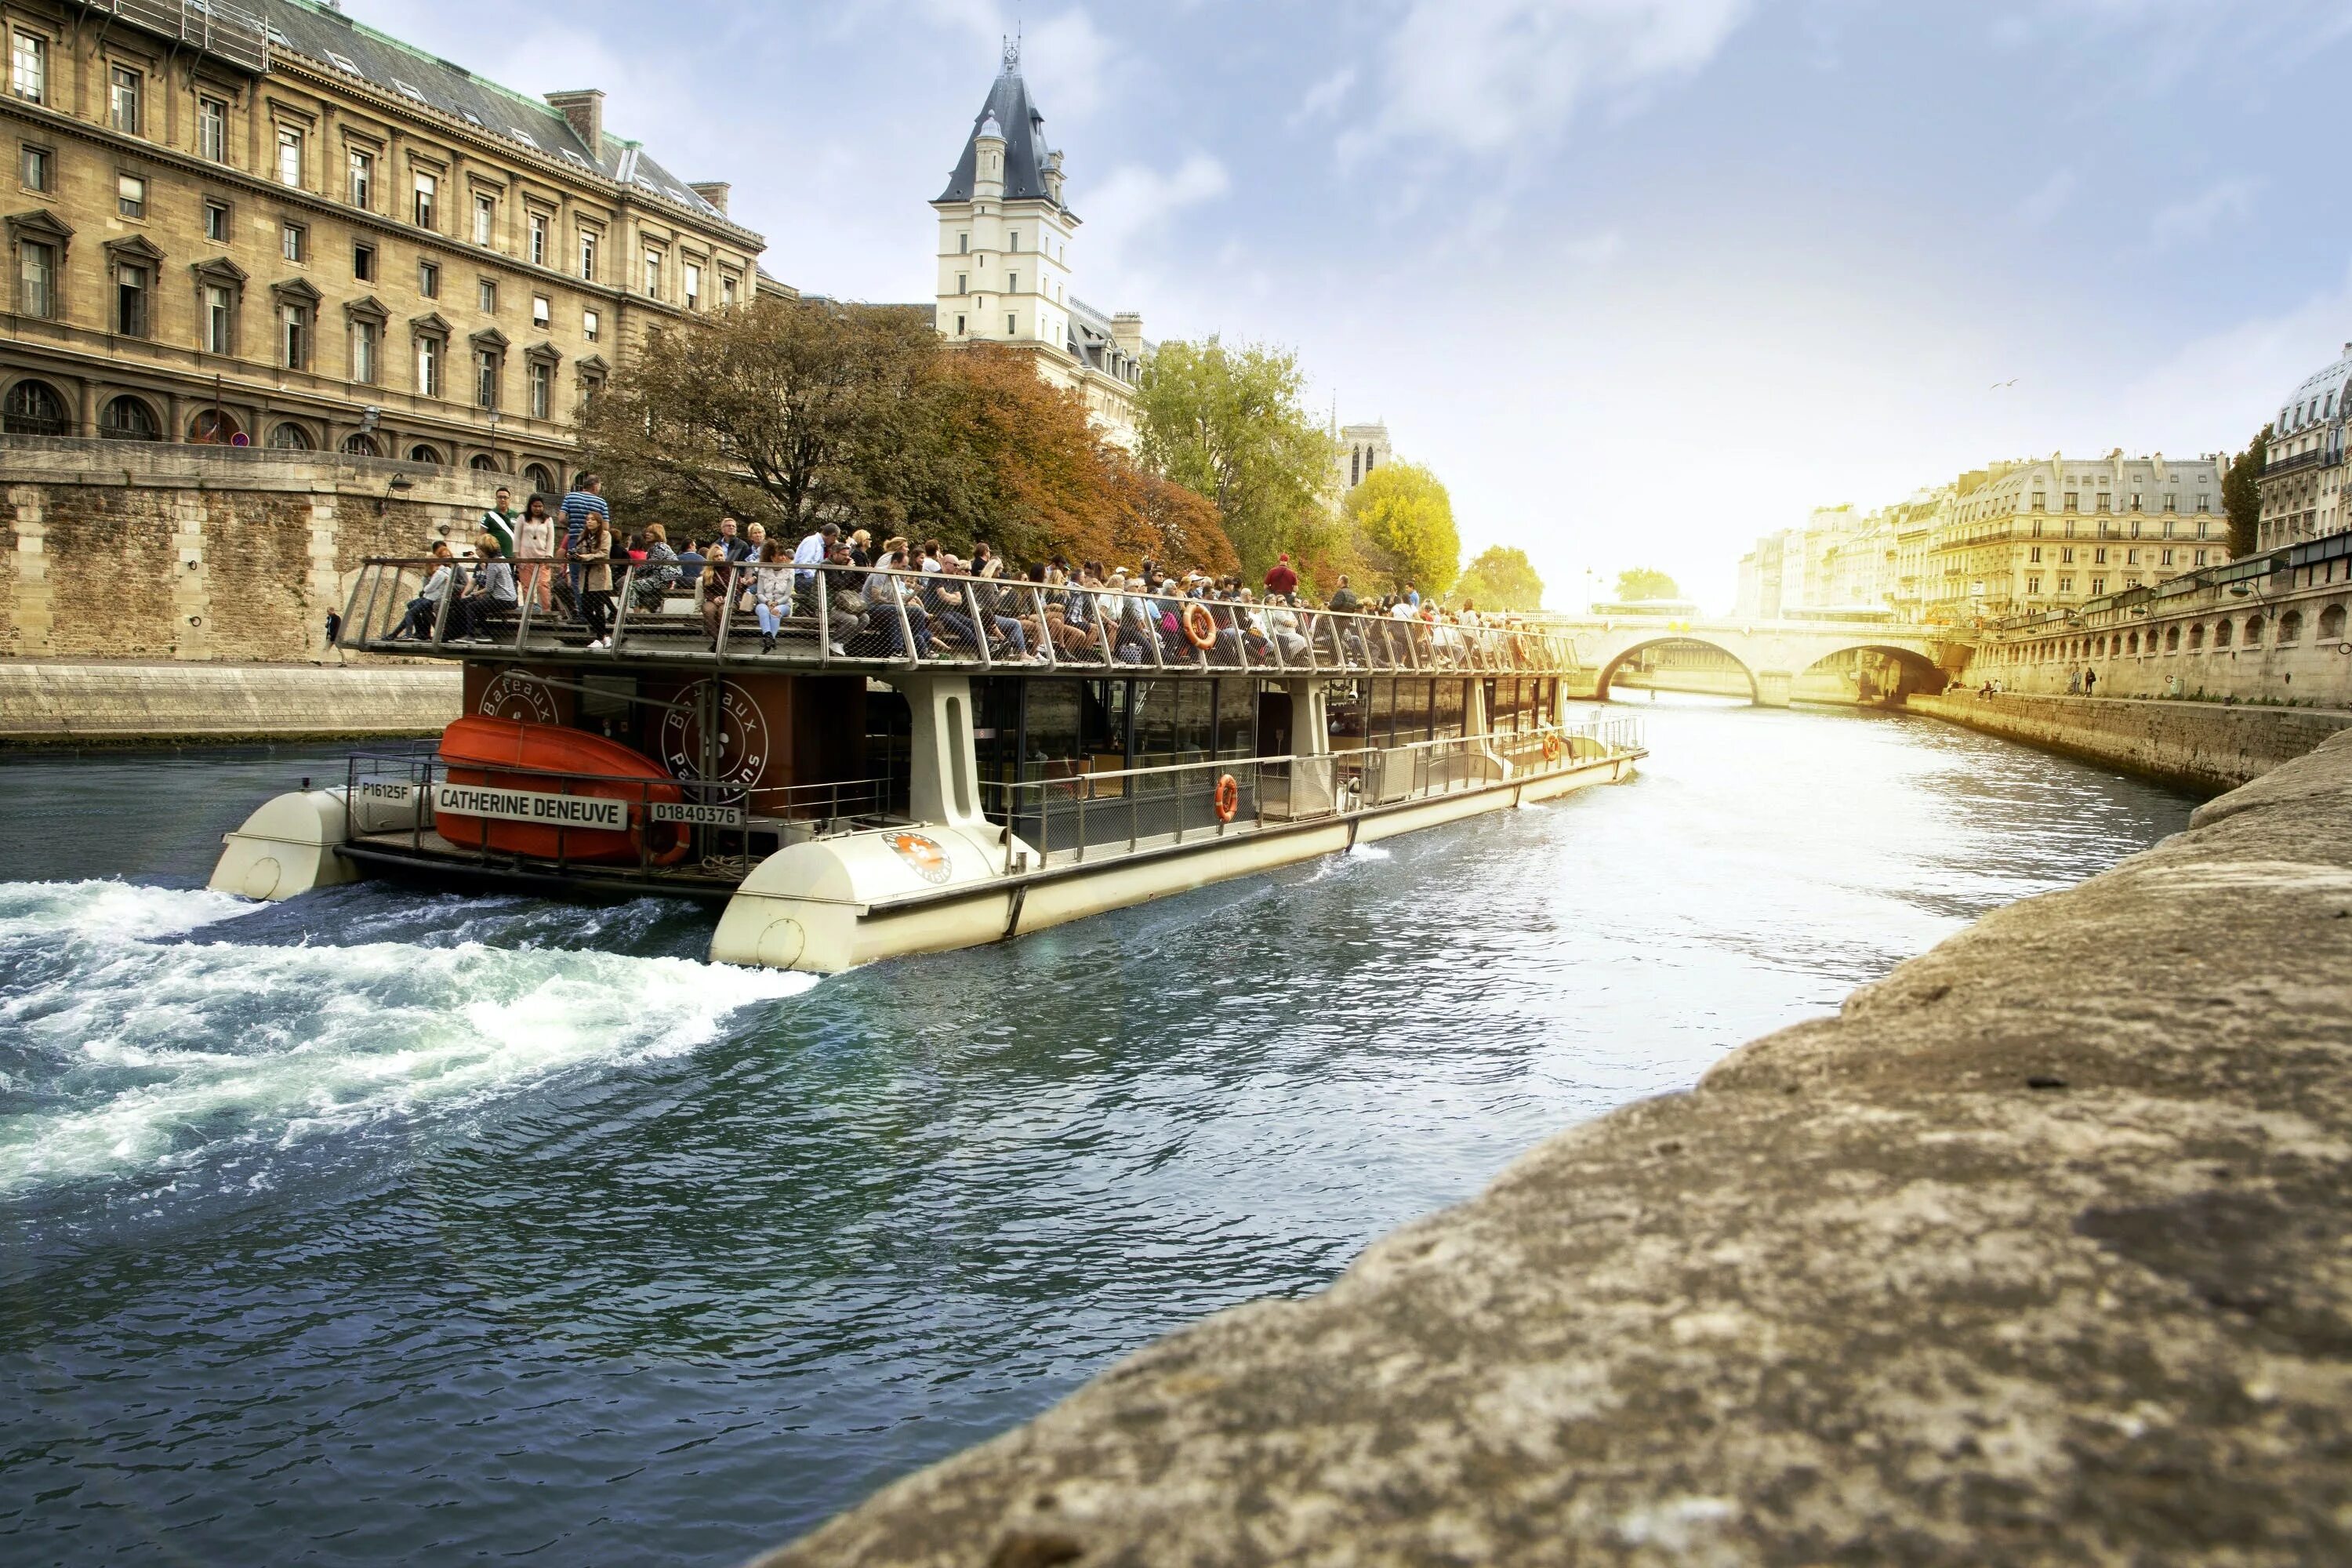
(214, 427)
(2331, 624)
(2197, 637)
(2221, 634)
(484, 463)
(421, 453)
(2133, 642)
(289, 436)
(537, 478)
(2172, 639)
(2290, 627)
(359, 444)
(33, 409)
(129, 419)
(2254, 631)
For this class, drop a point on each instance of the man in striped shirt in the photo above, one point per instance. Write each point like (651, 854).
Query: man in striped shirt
(585, 500)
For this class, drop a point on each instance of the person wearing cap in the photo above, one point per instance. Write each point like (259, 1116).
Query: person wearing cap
(1281, 579)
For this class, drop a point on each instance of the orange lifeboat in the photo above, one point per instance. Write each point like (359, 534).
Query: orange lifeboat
(525, 763)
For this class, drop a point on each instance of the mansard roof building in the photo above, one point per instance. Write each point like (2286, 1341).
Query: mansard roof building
(2302, 483)
(278, 225)
(1004, 272)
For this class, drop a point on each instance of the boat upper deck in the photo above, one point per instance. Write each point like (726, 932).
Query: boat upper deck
(857, 619)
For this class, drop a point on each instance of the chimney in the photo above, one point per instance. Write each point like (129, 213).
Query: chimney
(714, 192)
(583, 110)
(1126, 332)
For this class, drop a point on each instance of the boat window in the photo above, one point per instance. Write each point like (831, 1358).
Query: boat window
(1345, 710)
(1236, 718)
(1380, 714)
(1104, 719)
(1412, 712)
(1155, 723)
(1049, 734)
(1196, 705)
(996, 728)
(1446, 713)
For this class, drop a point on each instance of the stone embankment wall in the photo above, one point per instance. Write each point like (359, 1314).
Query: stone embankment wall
(2203, 746)
(139, 550)
(2031, 1255)
(67, 704)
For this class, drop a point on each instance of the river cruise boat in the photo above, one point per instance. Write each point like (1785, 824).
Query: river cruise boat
(912, 763)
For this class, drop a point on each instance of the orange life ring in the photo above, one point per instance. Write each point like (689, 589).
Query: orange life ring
(1229, 797)
(1199, 626)
(1551, 748)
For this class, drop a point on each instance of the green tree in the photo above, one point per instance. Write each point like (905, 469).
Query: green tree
(2241, 495)
(1229, 425)
(1501, 579)
(1403, 523)
(1645, 582)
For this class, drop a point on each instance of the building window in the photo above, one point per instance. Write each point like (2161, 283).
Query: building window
(486, 216)
(293, 244)
(539, 239)
(652, 274)
(29, 67)
(726, 290)
(2204, 504)
(2098, 585)
(2200, 560)
(486, 296)
(543, 389)
(427, 188)
(35, 169)
(963, 245)
(1012, 283)
(587, 257)
(128, 419)
(34, 409)
(588, 325)
(428, 280)
(2033, 555)
(131, 195)
(2066, 557)
(2033, 584)
(130, 299)
(217, 222)
(289, 436)
(963, 282)
(1011, 326)
(220, 320)
(1013, 240)
(2065, 584)
(2074, 501)
(359, 179)
(2131, 557)
(212, 130)
(37, 279)
(2166, 560)
(486, 378)
(363, 353)
(2201, 528)
(428, 366)
(289, 157)
(294, 319)
(541, 312)
(363, 263)
(693, 278)
(960, 326)
(122, 99)
(2099, 556)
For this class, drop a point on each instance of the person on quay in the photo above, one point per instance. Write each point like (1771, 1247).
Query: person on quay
(535, 549)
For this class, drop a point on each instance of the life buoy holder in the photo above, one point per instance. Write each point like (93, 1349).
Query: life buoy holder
(1229, 797)
(681, 841)
(1199, 626)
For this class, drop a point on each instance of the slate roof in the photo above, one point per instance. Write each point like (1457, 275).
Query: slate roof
(328, 38)
(2312, 394)
(1026, 154)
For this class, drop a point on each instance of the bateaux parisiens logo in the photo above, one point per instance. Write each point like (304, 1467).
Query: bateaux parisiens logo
(926, 857)
(524, 698)
(741, 755)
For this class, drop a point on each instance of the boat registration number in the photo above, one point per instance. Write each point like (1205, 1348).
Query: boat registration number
(529, 805)
(700, 816)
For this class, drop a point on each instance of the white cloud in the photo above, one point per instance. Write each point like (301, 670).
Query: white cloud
(1324, 97)
(1064, 59)
(2217, 389)
(2049, 198)
(1487, 74)
(1134, 199)
(2198, 217)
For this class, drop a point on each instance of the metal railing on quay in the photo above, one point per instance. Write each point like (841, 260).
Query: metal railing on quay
(1073, 814)
(678, 827)
(824, 616)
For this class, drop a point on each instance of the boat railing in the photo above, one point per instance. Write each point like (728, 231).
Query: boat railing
(1069, 817)
(395, 796)
(853, 619)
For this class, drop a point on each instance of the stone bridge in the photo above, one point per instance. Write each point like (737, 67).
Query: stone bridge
(1773, 653)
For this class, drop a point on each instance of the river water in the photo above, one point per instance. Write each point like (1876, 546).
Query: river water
(387, 1228)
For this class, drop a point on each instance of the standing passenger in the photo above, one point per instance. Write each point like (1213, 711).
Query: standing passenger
(535, 548)
(583, 500)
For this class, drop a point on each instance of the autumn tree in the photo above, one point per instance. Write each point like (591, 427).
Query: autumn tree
(1501, 579)
(2241, 495)
(1643, 582)
(1403, 523)
(1229, 424)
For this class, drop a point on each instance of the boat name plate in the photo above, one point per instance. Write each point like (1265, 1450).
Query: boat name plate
(700, 816)
(529, 805)
(389, 793)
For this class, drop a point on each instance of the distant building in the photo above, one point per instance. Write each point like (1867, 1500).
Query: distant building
(1004, 261)
(2049, 535)
(2301, 482)
(265, 223)
(1362, 448)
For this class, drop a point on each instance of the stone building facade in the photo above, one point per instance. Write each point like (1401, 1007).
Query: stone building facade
(1361, 448)
(287, 228)
(2028, 537)
(1004, 273)
(2301, 484)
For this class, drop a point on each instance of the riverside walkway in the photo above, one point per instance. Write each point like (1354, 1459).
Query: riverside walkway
(2033, 1254)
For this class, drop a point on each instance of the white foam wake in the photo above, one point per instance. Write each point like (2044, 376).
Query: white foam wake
(151, 1053)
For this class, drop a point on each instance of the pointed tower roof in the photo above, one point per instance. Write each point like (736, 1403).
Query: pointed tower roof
(1023, 130)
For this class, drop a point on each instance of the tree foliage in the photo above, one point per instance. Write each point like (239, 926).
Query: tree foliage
(797, 412)
(1402, 520)
(1501, 579)
(1645, 582)
(2241, 495)
(1230, 425)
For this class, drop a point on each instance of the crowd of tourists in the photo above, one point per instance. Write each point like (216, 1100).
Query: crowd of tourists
(871, 598)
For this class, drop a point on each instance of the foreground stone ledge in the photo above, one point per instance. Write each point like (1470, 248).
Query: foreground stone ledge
(2040, 1251)
(99, 703)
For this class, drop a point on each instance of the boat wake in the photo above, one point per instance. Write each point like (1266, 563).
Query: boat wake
(133, 1045)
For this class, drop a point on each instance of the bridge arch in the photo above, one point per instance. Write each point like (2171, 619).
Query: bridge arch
(1917, 671)
(1609, 670)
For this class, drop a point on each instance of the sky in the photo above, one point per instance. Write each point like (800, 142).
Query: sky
(1639, 280)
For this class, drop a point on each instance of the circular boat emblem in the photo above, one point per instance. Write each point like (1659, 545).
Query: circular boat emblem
(525, 698)
(742, 750)
(924, 855)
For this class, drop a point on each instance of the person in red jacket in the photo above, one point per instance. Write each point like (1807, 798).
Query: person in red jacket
(1282, 579)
